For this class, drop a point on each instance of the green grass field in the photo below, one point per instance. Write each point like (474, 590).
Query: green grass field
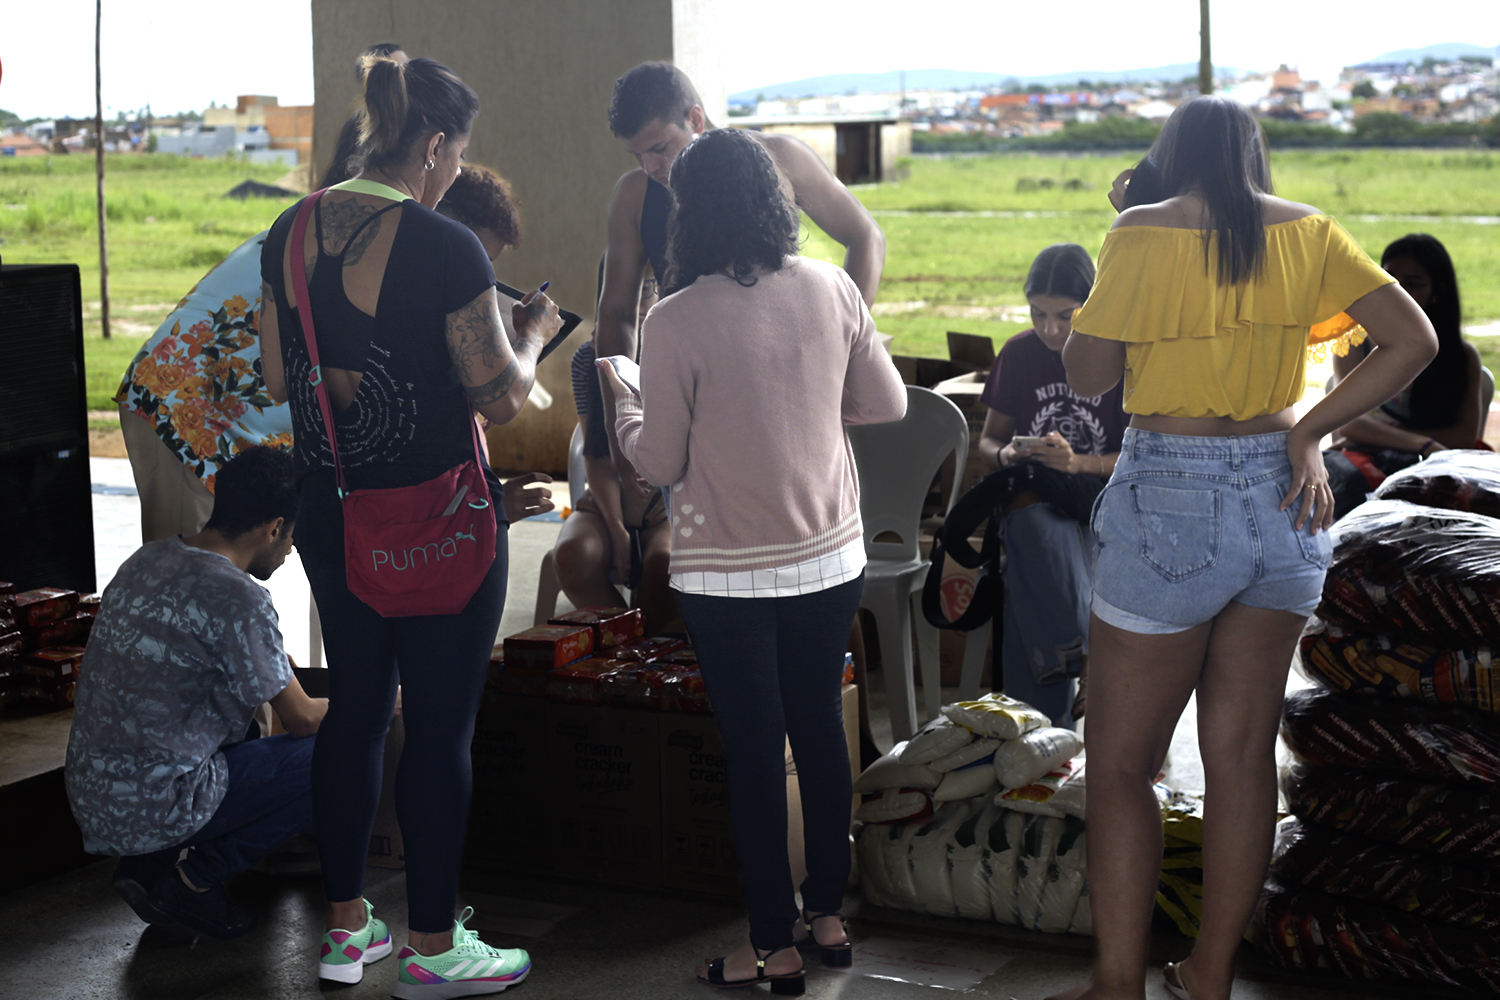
(169, 222)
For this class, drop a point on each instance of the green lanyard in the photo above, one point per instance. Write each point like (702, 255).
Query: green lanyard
(359, 185)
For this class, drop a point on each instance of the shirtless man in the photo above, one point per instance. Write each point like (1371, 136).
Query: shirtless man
(656, 112)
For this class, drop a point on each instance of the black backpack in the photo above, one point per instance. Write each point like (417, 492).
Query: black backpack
(1074, 495)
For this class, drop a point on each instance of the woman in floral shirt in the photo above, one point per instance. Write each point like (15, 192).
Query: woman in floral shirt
(196, 390)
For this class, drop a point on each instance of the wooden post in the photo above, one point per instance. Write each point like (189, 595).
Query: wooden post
(99, 168)
(1205, 57)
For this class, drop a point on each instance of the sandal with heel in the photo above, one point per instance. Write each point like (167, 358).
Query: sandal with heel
(1172, 973)
(786, 984)
(834, 956)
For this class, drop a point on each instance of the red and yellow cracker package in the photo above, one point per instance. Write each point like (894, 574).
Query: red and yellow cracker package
(546, 647)
(611, 626)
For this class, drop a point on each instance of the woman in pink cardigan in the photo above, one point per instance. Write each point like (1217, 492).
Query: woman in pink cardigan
(750, 369)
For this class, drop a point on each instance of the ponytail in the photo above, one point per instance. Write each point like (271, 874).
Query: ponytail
(383, 106)
(405, 103)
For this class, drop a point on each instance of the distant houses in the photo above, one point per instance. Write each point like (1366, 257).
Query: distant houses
(1465, 90)
(257, 127)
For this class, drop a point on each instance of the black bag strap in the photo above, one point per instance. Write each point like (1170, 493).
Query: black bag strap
(982, 604)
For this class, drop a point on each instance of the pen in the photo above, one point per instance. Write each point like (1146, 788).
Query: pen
(544, 286)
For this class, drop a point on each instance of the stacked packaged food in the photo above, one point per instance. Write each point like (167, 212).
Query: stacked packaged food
(42, 638)
(601, 656)
(1384, 869)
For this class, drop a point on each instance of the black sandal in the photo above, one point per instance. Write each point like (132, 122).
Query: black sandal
(786, 984)
(834, 956)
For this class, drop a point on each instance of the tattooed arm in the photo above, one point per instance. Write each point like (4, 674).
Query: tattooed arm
(496, 376)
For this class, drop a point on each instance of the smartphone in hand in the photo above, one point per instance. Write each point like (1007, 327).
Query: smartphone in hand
(1030, 443)
(625, 369)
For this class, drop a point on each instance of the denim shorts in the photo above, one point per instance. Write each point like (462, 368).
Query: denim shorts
(1188, 524)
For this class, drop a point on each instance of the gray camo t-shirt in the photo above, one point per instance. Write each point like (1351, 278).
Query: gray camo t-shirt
(186, 647)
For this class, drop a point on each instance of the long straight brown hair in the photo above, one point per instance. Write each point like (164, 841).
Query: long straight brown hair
(1216, 145)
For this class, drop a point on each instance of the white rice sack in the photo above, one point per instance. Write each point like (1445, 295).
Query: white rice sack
(967, 782)
(938, 738)
(968, 870)
(1083, 915)
(1065, 878)
(889, 772)
(1021, 761)
(982, 748)
(1033, 864)
(996, 715)
(1036, 798)
(874, 881)
(895, 805)
(1072, 797)
(1004, 849)
(929, 859)
(894, 852)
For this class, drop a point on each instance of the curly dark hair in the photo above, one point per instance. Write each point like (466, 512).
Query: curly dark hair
(729, 213)
(482, 199)
(650, 91)
(253, 488)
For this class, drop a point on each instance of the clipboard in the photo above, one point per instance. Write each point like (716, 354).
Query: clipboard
(570, 320)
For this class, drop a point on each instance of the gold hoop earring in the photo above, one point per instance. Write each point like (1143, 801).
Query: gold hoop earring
(430, 164)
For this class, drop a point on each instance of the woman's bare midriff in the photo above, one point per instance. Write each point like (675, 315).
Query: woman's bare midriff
(1269, 423)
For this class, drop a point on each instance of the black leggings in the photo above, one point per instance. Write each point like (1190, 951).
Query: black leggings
(773, 667)
(440, 663)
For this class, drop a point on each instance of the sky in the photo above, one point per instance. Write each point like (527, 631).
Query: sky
(180, 55)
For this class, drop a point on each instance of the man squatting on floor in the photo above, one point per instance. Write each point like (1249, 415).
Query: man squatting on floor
(186, 646)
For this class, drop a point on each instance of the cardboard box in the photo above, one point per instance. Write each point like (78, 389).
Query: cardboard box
(604, 793)
(697, 841)
(511, 805)
(387, 848)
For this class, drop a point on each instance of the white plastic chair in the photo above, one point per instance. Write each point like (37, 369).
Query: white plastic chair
(896, 464)
(547, 584)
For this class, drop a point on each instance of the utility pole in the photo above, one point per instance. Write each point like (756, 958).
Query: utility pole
(1205, 57)
(99, 168)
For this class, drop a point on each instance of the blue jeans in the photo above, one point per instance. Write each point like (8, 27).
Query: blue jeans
(1049, 577)
(1188, 524)
(269, 801)
(773, 667)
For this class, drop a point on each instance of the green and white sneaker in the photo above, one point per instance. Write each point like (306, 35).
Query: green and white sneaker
(469, 968)
(345, 954)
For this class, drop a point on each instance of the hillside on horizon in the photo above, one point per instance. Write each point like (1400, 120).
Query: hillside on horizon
(953, 79)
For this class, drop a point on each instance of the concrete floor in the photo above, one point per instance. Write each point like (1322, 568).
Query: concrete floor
(72, 936)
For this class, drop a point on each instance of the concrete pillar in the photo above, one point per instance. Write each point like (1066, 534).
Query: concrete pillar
(544, 71)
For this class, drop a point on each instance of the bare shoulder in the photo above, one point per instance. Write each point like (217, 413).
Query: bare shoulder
(790, 153)
(1181, 212)
(1277, 210)
(630, 191)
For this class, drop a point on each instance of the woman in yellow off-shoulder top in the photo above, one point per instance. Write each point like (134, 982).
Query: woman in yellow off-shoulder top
(1212, 540)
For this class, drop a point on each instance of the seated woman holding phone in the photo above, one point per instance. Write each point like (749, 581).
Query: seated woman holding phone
(1035, 417)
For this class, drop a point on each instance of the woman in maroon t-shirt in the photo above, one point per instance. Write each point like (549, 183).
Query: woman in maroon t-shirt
(1034, 416)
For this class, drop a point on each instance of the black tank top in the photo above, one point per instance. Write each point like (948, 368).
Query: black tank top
(654, 212)
(410, 419)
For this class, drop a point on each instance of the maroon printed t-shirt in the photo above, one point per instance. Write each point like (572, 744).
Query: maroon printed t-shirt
(1030, 385)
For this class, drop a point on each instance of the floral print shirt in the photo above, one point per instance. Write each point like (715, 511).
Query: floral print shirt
(198, 378)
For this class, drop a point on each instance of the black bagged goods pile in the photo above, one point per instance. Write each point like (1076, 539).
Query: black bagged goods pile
(1396, 666)
(1460, 479)
(1329, 729)
(1384, 870)
(1399, 568)
(1317, 857)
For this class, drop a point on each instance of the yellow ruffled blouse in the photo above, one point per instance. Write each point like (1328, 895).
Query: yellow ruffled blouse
(1196, 348)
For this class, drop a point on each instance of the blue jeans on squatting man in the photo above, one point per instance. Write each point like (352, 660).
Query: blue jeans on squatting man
(268, 801)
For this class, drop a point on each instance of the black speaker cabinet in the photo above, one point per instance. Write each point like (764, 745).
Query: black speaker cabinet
(46, 506)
